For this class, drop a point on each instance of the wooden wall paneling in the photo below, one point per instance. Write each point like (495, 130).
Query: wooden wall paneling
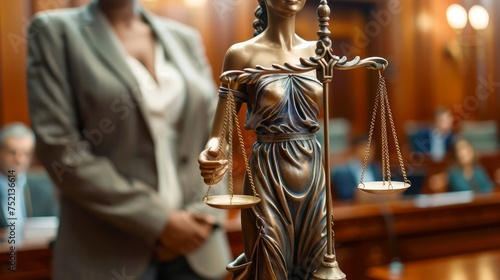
(384, 17)
(43, 5)
(496, 62)
(232, 23)
(424, 44)
(401, 75)
(14, 20)
(447, 73)
(78, 3)
(351, 89)
(487, 89)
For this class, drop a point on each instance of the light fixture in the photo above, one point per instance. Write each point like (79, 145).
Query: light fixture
(479, 17)
(195, 4)
(456, 16)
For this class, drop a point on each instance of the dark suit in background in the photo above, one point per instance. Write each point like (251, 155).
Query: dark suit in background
(422, 142)
(345, 179)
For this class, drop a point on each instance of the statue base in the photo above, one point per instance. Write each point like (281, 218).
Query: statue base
(329, 270)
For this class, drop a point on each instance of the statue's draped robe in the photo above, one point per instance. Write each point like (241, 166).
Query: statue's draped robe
(285, 234)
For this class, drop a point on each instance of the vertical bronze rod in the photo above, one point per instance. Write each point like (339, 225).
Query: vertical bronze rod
(329, 268)
(326, 149)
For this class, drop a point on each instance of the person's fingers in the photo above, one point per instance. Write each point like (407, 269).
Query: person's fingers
(203, 218)
(203, 231)
(185, 232)
(188, 245)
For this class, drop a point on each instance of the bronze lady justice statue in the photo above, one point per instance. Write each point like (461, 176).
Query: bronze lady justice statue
(284, 235)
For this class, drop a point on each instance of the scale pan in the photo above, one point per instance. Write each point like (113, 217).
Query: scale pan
(236, 201)
(383, 187)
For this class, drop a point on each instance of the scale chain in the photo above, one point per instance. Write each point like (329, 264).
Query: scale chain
(386, 168)
(220, 147)
(385, 113)
(370, 134)
(393, 127)
(230, 120)
(245, 158)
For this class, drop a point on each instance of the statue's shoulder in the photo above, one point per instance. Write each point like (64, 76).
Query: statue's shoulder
(239, 56)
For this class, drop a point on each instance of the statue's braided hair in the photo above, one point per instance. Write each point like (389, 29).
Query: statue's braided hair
(260, 23)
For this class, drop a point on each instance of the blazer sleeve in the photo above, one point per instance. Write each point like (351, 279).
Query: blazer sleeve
(90, 181)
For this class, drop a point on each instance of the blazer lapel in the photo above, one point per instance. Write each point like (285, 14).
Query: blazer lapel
(173, 51)
(100, 36)
(177, 55)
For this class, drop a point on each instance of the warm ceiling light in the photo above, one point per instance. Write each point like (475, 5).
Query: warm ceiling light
(479, 17)
(195, 3)
(456, 16)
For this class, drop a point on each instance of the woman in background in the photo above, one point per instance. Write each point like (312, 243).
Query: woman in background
(466, 174)
(120, 103)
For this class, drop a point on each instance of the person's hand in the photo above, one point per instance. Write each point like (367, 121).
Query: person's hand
(184, 233)
(212, 169)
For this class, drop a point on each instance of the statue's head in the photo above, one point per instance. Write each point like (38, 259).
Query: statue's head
(284, 7)
(279, 7)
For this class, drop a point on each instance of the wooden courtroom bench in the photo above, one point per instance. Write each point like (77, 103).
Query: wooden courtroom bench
(372, 235)
(477, 266)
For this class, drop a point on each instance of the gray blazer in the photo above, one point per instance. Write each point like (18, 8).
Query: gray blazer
(94, 141)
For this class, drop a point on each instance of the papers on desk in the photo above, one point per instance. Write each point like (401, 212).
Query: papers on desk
(37, 233)
(40, 228)
(443, 199)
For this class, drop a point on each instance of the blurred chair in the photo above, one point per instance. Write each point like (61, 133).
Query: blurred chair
(339, 130)
(41, 195)
(483, 135)
(411, 128)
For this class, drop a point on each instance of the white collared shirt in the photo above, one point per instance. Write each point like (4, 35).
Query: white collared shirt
(163, 100)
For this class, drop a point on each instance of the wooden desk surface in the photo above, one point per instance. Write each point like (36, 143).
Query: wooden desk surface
(371, 235)
(477, 266)
(33, 256)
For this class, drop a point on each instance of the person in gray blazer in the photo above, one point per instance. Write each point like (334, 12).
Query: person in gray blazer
(121, 103)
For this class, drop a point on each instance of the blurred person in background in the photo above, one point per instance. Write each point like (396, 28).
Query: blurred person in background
(33, 194)
(345, 178)
(466, 174)
(121, 103)
(435, 141)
